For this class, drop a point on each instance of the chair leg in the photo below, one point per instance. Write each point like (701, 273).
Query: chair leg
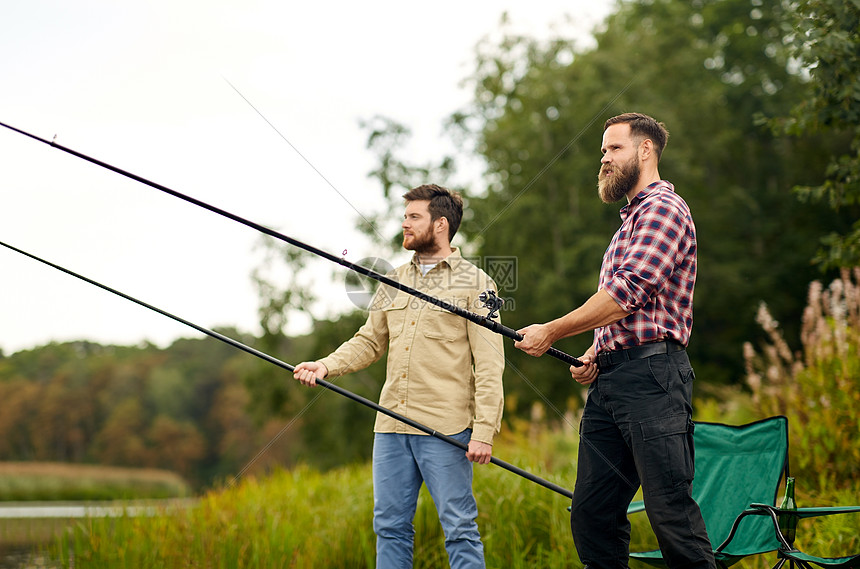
(793, 564)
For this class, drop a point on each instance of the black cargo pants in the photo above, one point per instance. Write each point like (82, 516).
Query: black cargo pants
(636, 429)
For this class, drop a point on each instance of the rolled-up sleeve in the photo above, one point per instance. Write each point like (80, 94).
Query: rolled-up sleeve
(654, 246)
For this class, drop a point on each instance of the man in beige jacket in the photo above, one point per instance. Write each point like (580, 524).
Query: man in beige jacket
(443, 371)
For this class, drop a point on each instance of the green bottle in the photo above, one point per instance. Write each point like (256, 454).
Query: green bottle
(788, 524)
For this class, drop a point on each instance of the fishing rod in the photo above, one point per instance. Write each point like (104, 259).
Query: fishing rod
(484, 321)
(328, 385)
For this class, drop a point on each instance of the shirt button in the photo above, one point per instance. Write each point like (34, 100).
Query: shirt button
(413, 323)
(407, 348)
(404, 375)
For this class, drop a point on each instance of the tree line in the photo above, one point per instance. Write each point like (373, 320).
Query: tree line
(198, 407)
(181, 408)
(760, 99)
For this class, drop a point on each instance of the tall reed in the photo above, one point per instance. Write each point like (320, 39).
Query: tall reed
(818, 388)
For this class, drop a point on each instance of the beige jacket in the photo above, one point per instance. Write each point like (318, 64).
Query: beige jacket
(443, 371)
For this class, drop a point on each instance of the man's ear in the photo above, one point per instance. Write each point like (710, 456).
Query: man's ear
(646, 148)
(441, 224)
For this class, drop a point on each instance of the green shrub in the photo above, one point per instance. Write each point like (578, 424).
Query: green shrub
(818, 389)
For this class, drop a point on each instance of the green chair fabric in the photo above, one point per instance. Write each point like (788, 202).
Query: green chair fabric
(804, 560)
(737, 477)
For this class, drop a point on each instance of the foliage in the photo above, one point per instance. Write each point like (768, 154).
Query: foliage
(26, 481)
(182, 408)
(303, 518)
(707, 69)
(282, 293)
(819, 388)
(826, 45)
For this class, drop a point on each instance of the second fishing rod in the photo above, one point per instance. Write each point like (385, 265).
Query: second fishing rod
(484, 321)
(328, 385)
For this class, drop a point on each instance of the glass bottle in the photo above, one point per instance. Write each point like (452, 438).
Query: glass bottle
(788, 524)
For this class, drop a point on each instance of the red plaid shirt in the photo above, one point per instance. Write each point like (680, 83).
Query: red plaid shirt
(649, 269)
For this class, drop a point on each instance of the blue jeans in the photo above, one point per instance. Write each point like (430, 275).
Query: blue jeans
(400, 464)
(637, 429)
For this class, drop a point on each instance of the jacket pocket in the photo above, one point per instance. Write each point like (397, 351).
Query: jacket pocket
(395, 315)
(439, 324)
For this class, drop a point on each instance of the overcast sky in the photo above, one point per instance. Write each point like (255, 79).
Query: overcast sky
(146, 87)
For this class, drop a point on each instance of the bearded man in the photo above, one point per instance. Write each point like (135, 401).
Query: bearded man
(443, 371)
(636, 427)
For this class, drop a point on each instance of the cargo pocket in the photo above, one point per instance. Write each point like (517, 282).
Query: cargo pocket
(687, 374)
(666, 453)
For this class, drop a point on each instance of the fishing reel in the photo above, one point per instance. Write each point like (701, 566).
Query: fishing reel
(491, 301)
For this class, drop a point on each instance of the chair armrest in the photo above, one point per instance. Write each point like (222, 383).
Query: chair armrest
(756, 510)
(805, 512)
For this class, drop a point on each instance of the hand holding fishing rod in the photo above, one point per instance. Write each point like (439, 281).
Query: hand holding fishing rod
(477, 319)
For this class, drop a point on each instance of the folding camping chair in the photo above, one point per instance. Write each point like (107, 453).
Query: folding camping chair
(738, 473)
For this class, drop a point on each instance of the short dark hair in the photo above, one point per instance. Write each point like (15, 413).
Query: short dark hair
(443, 203)
(643, 126)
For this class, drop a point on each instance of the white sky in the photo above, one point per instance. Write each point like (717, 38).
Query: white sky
(143, 86)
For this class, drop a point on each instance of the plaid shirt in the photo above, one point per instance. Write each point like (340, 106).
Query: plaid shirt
(649, 269)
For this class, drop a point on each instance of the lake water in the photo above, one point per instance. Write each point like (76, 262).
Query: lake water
(25, 527)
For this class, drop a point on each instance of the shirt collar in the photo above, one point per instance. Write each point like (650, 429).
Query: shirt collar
(451, 260)
(647, 191)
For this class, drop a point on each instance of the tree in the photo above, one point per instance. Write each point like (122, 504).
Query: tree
(396, 176)
(707, 69)
(121, 440)
(183, 407)
(20, 402)
(825, 43)
(176, 445)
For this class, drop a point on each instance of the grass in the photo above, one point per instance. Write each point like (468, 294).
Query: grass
(304, 518)
(45, 481)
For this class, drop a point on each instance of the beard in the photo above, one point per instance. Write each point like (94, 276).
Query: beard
(623, 179)
(421, 243)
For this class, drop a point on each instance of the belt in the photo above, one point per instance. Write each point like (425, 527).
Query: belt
(614, 357)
